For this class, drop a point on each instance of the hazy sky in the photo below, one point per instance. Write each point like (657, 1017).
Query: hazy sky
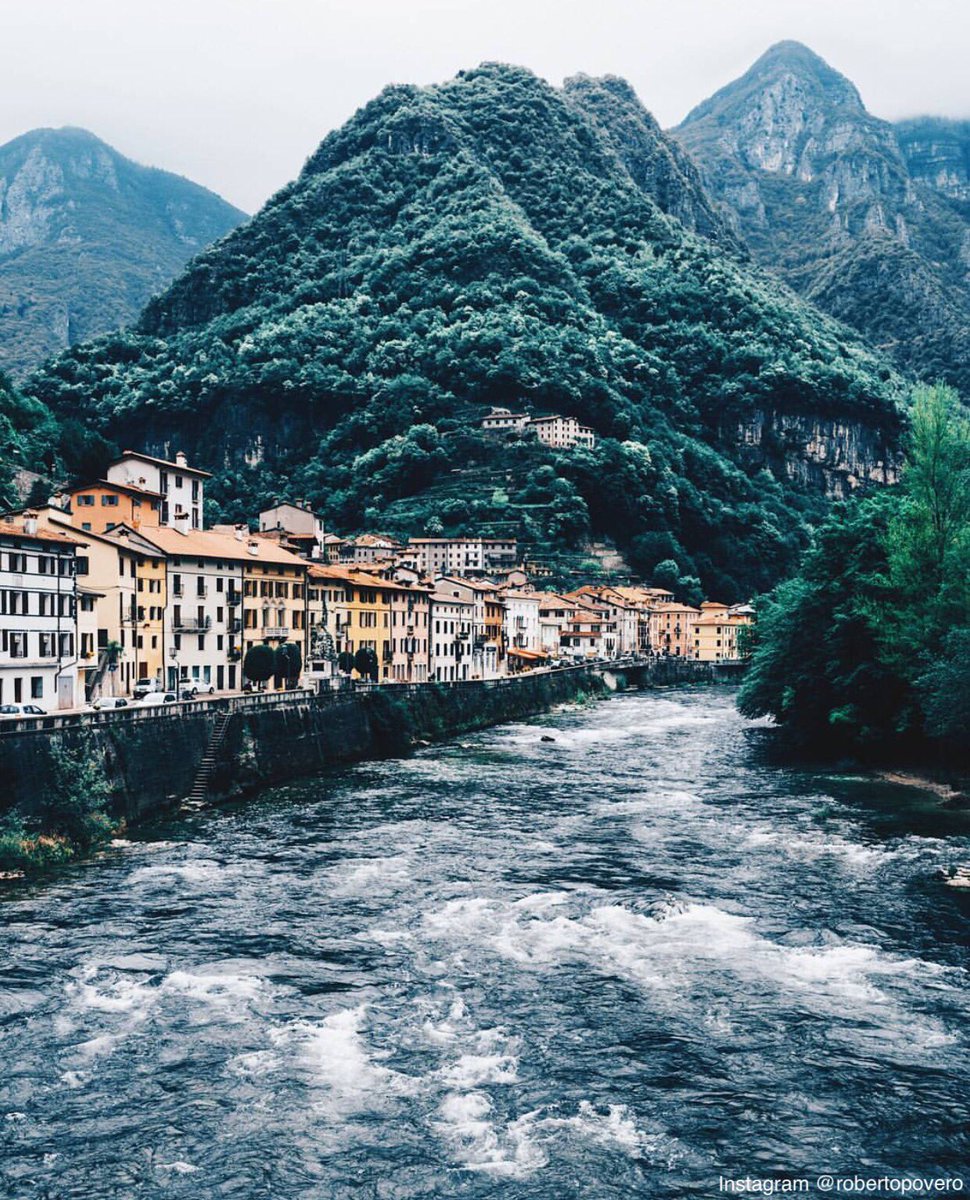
(235, 94)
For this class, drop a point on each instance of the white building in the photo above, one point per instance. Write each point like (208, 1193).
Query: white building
(450, 638)
(181, 487)
(38, 615)
(522, 630)
(503, 420)
(562, 433)
(302, 528)
(463, 555)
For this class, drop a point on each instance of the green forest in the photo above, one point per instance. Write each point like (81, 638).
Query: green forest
(481, 242)
(867, 648)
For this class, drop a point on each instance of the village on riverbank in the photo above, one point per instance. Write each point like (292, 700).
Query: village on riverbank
(116, 589)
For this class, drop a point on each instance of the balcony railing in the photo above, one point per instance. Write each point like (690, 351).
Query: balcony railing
(192, 624)
(233, 599)
(275, 631)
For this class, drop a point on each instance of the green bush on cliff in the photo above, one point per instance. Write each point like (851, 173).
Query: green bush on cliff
(70, 818)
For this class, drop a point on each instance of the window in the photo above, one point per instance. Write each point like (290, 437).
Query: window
(37, 687)
(47, 645)
(85, 501)
(109, 501)
(82, 564)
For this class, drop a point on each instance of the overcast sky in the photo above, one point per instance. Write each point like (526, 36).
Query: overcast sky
(235, 94)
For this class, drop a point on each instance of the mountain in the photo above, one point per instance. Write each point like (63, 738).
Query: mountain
(482, 242)
(656, 163)
(937, 153)
(86, 237)
(864, 219)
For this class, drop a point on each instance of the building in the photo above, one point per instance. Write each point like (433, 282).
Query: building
(487, 622)
(181, 487)
(296, 527)
(107, 579)
(225, 593)
(38, 614)
(503, 420)
(562, 433)
(463, 555)
(369, 548)
(717, 634)
(589, 631)
(554, 614)
(100, 506)
(452, 620)
(522, 630)
(624, 613)
(672, 629)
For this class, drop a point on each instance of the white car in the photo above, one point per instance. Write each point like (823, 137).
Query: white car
(106, 703)
(10, 712)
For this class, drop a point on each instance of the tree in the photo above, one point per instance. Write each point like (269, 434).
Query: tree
(259, 663)
(345, 662)
(869, 646)
(666, 574)
(365, 663)
(288, 663)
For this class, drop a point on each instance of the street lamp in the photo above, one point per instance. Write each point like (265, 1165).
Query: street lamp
(174, 656)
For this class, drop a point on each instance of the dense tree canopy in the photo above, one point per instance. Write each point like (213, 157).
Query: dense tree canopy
(869, 646)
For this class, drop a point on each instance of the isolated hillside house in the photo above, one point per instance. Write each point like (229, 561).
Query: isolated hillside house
(503, 420)
(562, 433)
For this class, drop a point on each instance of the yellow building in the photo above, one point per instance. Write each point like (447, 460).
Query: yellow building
(716, 635)
(107, 578)
(358, 608)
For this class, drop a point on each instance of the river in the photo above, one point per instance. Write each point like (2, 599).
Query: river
(623, 962)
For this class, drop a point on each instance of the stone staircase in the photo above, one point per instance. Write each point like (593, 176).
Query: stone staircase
(200, 787)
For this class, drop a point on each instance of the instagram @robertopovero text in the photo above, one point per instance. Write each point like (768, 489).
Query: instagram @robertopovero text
(843, 1185)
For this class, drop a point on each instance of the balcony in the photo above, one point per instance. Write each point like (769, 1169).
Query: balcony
(233, 599)
(275, 631)
(192, 624)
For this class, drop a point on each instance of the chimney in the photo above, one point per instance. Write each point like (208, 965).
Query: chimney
(30, 524)
(239, 532)
(181, 460)
(253, 547)
(181, 521)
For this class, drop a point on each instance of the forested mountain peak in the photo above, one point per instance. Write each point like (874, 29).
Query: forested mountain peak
(86, 236)
(480, 242)
(656, 162)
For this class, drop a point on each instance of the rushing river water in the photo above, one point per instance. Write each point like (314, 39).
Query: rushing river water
(620, 963)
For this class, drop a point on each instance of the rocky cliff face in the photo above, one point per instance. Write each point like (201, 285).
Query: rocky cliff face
(819, 186)
(816, 453)
(937, 153)
(86, 236)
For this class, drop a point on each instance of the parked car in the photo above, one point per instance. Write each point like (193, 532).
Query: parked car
(146, 687)
(189, 692)
(10, 712)
(107, 703)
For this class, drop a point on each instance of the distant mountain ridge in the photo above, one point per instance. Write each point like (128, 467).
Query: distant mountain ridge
(86, 237)
(867, 220)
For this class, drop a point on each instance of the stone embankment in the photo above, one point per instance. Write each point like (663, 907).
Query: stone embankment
(154, 757)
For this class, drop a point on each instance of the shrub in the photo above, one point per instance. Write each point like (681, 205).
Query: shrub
(259, 663)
